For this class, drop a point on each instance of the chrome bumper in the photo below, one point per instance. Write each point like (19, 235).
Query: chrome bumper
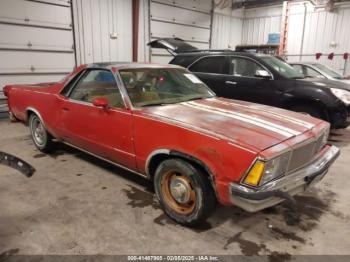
(284, 188)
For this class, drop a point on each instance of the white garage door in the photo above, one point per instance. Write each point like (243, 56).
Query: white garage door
(189, 20)
(36, 43)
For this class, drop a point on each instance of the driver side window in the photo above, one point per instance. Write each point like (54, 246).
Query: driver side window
(97, 83)
(244, 67)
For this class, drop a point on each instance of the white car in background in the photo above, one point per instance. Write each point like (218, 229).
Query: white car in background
(317, 70)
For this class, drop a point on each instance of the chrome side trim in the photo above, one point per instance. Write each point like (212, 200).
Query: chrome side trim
(154, 153)
(37, 113)
(106, 160)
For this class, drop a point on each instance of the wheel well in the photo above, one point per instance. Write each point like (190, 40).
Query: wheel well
(305, 102)
(157, 159)
(29, 113)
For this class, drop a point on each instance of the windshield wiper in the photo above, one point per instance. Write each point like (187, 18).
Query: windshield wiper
(298, 77)
(196, 98)
(156, 104)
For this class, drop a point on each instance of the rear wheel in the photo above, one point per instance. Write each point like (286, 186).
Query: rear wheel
(184, 192)
(41, 138)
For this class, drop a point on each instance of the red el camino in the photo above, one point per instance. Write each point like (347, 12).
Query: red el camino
(163, 123)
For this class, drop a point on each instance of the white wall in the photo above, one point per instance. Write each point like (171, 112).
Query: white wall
(143, 49)
(258, 23)
(226, 28)
(321, 29)
(95, 21)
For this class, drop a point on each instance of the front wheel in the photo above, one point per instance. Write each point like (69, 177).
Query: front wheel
(309, 110)
(41, 138)
(184, 192)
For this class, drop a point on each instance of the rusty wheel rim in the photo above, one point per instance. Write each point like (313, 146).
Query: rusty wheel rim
(178, 192)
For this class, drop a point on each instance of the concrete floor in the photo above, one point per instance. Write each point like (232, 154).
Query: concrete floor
(76, 204)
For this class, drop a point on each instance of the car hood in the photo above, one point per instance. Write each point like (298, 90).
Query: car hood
(254, 126)
(325, 83)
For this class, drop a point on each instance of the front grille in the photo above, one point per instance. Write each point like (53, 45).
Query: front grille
(305, 153)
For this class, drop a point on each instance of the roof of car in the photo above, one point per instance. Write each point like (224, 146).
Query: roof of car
(130, 65)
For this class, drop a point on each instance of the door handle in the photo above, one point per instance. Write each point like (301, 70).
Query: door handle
(230, 83)
(65, 109)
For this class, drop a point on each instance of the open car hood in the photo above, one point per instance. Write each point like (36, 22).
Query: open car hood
(172, 45)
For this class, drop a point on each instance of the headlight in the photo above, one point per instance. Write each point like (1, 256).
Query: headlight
(263, 172)
(342, 95)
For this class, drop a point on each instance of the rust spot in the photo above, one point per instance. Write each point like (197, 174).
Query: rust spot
(209, 152)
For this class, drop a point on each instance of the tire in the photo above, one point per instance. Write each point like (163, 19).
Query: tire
(310, 110)
(41, 138)
(184, 192)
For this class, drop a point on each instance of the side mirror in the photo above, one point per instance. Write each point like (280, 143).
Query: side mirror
(100, 102)
(263, 74)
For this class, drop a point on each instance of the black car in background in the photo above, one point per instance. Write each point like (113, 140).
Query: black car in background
(262, 79)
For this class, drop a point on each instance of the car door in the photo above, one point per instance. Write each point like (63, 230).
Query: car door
(248, 80)
(212, 71)
(106, 132)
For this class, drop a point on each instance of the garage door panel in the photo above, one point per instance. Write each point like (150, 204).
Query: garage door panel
(35, 38)
(55, 2)
(161, 29)
(179, 15)
(202, 5)
(13, 62)
(35, 14)
(29, 79)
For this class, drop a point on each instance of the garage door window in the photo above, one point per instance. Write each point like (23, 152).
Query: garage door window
(98, 83)
(214, 65)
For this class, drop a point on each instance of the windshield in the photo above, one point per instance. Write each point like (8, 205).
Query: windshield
(159, 86)
(282, 67)
(328, 71)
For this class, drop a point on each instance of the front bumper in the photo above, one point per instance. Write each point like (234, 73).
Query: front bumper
(284, 188)
(340, 118)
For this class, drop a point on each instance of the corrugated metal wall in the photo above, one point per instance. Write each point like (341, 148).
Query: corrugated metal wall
(103, 30)
(226, 29)
(259, 22)
(324, 32)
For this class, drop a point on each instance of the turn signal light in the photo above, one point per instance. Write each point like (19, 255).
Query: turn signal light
(255, 174)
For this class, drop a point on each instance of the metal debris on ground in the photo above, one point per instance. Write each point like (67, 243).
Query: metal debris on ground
(16, 163)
